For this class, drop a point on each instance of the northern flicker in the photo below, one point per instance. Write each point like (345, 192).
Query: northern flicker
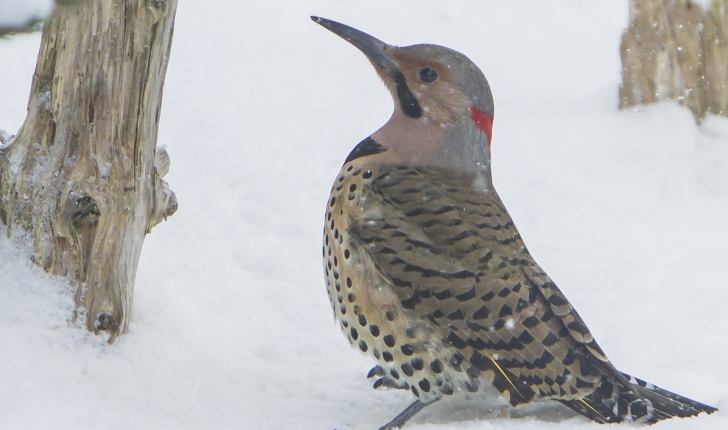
(427, 273)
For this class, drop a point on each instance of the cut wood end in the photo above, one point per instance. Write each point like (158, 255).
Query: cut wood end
(171, 205)
(105, 322)
(4, 136)
(161, 161)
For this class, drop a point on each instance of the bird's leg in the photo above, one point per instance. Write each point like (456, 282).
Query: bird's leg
(406, 414)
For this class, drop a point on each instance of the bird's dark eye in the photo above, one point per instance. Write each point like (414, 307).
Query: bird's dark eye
(427, 75)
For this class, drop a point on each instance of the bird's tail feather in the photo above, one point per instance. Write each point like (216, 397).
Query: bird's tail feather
(667, 404)
(636, 400)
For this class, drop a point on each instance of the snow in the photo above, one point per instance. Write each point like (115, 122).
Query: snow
(705, 4)
(231, 326)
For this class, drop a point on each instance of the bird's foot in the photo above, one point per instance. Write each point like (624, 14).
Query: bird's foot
(385, 380)
(389, 382)
(376, 371)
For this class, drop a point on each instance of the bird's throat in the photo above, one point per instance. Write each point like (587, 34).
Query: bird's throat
(462, 146)
(411, 141)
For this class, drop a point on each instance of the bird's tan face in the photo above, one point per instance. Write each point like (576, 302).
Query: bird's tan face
(444, 107)
(434, 87)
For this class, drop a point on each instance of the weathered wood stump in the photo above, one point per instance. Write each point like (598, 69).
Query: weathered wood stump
(673, 49)
(83, 176)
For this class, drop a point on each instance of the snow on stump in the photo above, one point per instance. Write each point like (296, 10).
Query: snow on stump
(83, 176)
(673, 49)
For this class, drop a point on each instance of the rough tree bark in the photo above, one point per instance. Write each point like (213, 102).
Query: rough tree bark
(83, 176)
(673, 49)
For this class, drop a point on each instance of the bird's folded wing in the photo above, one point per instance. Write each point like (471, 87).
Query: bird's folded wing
(455, 260)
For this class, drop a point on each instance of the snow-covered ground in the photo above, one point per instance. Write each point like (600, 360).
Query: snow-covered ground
(231, 327)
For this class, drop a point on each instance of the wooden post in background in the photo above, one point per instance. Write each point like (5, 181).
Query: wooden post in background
(673, 49)
(83, 176)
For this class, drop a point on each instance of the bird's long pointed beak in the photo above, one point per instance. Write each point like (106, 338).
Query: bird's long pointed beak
(373, 48)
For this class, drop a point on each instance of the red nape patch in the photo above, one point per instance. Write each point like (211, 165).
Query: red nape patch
(482, 121)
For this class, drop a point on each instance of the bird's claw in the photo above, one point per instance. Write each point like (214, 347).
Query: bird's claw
(376, 371)
(385, 380)
(389, 382)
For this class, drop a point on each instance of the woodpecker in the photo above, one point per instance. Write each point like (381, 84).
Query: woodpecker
(427, 273)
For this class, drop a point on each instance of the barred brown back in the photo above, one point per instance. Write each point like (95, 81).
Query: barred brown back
(456, 260)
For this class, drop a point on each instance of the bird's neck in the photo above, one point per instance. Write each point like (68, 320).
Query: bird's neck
(459, 146)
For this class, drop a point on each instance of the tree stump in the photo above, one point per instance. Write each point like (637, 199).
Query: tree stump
(83, 176)
(673, 49)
